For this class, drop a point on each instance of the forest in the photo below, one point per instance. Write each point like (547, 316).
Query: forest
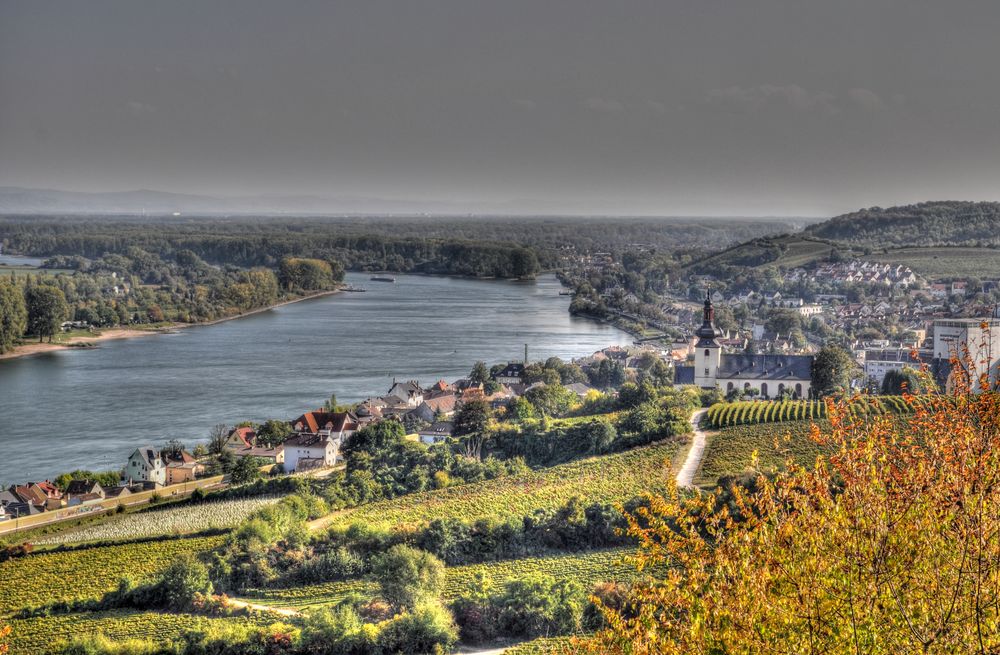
(945, 223)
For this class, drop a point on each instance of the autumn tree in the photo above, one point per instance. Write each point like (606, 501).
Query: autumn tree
(889, 545)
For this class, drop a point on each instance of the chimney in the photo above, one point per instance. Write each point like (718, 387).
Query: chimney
(525, 354)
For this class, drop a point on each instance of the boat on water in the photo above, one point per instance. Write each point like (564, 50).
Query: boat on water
(383, 278)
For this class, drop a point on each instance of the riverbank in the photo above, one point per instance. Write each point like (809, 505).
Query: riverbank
(92, 341)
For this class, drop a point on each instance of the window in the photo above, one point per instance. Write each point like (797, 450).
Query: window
(706, 352)
(706, 372)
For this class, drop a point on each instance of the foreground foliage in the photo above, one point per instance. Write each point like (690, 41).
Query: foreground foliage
(889, 546)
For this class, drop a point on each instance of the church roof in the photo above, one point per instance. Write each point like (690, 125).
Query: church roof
(765, 367)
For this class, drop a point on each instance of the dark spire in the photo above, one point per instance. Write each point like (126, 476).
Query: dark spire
(708, 332)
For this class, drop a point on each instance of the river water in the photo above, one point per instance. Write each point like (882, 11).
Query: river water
(89, 408)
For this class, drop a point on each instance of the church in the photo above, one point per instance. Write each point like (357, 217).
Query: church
(770, 375)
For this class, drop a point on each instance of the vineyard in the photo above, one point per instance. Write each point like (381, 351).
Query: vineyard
(36, 636)
(88, 573)
(750, 412)
(543, 646)
(730, 450)
(183, 519)
(601, 479)
(585, 568)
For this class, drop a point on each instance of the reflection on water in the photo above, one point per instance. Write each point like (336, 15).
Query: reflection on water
(88, 409)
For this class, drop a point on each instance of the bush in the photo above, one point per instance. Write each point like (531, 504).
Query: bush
(428, 628)
(407, 576)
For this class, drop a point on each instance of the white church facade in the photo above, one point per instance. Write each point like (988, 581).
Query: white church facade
(770, 375)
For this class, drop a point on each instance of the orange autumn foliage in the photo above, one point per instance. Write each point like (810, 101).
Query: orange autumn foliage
(891, 545)
(4, 633)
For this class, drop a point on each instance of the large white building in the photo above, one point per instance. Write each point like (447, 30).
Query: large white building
(146, 465)
(770, 375)
(974, 341)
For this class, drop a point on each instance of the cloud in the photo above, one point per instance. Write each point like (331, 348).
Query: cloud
(525, 103)
(867, 100)
(604, 105)
(137, 107)
(755, 98)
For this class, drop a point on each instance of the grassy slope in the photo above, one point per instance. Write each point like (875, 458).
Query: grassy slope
(946, 262)
(609, 478)
(88, 573)
(586, 568)
(730, 450)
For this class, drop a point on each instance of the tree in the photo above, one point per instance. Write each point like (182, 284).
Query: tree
(273, 432)
(479, 374)
(833, 369)
(184, 581)
(471, 424)
(247, 469)
(407, 575)
(47, 309)
(217, 439)
(375, 439)
(551, 399)
(13, 315)
(896, 383)
(886, 547)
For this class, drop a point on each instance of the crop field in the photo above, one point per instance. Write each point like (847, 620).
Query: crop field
(946, 262)
(746, 412)
(730, 450)
(543, 646)
(88, 573)
(183, 519)
(609, 478)
(37, 636)
(586, 568)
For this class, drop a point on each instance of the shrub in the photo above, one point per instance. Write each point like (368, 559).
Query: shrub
(406, 576)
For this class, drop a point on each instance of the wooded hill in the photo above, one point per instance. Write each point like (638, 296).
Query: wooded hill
(936, 223)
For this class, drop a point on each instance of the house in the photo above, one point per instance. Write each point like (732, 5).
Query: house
(436, 433)
(182, 467)
(307, 451)
(77, 489)
(241, 437)
(337, 425)
(431, 408)
(769, 375)
(579, 388)
(146, 465)
(512, 373)
(406, 393)
(116, 492)
(274, 455)
(53, 495)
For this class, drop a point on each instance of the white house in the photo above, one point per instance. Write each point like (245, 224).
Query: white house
(770, 375)
(146, 465)
(306, 451)
(406, 393)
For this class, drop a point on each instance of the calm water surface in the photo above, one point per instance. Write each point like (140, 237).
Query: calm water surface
(90, 408)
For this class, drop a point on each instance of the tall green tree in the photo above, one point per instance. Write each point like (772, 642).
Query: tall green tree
(47, 309)
(13, 315)
(897, 382)
(833, 369)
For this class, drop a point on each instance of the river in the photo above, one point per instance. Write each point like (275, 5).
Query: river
(89, 408)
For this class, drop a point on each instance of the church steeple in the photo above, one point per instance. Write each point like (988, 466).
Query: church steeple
(707, 333)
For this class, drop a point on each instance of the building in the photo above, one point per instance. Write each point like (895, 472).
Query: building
(182, 467)
(84, 491)
(406, 393)
(512, 373)
(146, 465)
(771, 376)
(436, 433)
(974, 339)
(305, 452)
(879, 362)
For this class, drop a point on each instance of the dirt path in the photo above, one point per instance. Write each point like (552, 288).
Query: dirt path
(685, 477)
(240, 604)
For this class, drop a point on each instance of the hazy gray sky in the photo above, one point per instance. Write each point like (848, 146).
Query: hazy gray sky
(669, 107)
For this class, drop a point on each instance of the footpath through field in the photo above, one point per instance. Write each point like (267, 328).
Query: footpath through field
(685, 477)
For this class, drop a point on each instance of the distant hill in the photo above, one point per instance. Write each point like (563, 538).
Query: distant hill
(938, 223)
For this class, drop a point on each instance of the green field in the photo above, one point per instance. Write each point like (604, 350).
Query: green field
(983, 263)
(611, 478)
(730, 450)
(543, 646)
(88, 573)
(586, 568)
(37, 636)
(789, 251)
(18, 271)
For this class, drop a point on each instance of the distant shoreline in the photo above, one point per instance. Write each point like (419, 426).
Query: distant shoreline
(87, 342)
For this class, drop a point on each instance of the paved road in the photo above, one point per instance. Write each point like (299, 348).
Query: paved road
(685, 477)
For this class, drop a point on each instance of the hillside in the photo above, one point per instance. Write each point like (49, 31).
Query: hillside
(938, 223)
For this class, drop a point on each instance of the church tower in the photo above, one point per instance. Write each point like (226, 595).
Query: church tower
(708, 352)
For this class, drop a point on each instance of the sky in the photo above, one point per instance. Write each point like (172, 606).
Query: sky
(693, 107)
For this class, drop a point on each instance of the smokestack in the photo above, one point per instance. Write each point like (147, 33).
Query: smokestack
(525, 354)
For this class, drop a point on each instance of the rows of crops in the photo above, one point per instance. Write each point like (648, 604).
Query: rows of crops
(183, 519)
(36, 636)
(88, 573)
(600, 479)
(746, 412)
(730, 451)
(543, 646)
(585, 568)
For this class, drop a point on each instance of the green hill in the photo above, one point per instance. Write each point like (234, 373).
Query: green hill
(937, 223)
